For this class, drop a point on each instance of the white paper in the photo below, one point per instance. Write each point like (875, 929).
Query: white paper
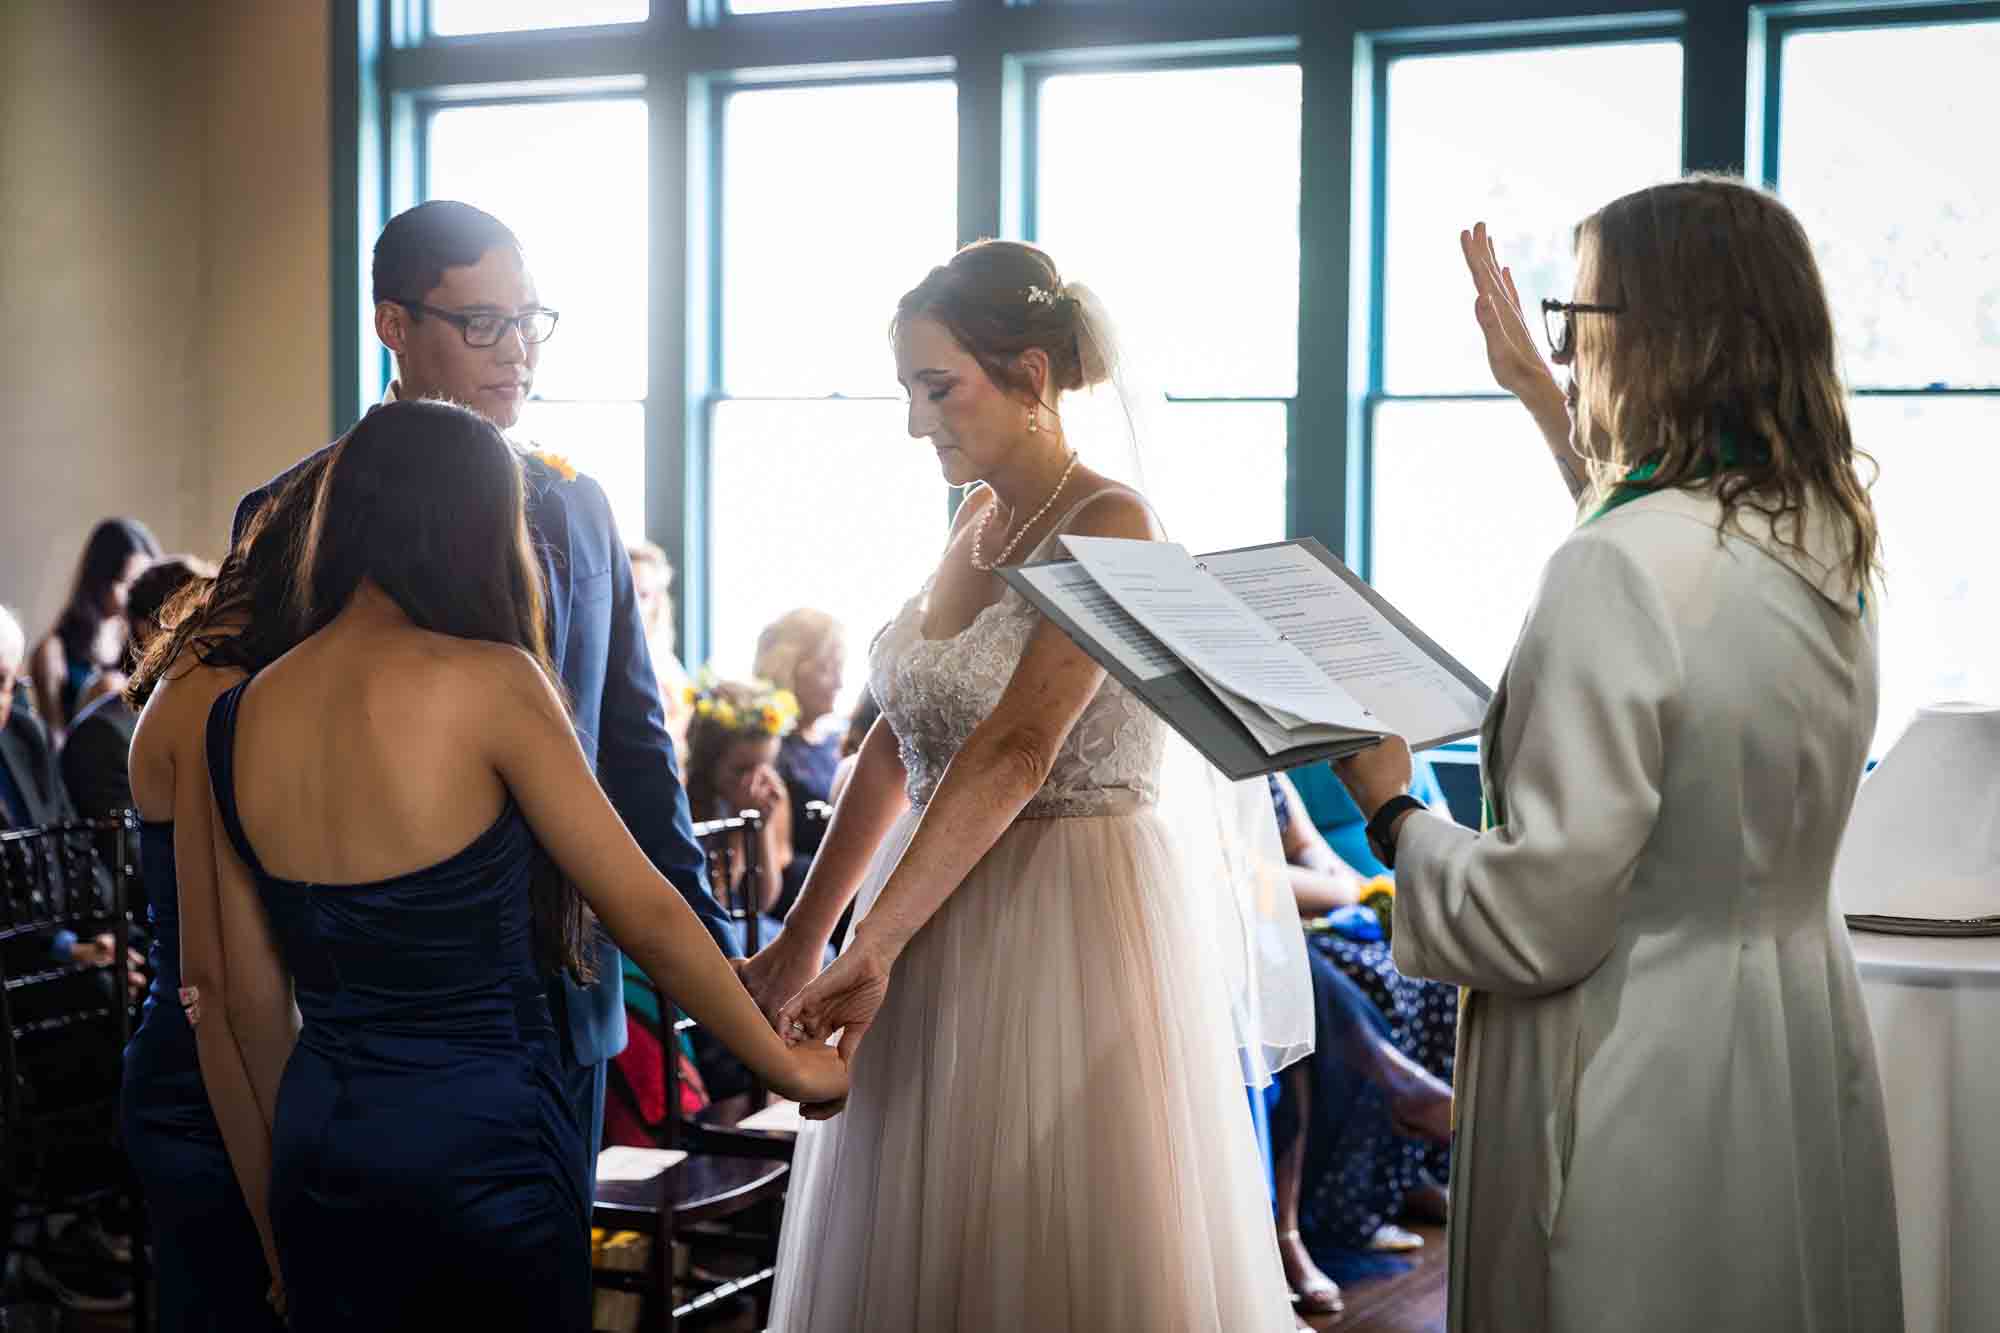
(1348, 638)
(1073, 589)
(1215, 633)
(619, 1162)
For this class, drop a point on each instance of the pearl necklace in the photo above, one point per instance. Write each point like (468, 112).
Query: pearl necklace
(979, 528)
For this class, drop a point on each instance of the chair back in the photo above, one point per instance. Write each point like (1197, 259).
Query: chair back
(62, 1027)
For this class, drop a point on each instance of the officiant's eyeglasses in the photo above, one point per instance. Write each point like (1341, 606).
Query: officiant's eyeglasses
(1559, 321)
(484, 330)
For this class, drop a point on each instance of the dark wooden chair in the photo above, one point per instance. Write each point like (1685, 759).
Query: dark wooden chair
(63, 1031)
(725, 1196)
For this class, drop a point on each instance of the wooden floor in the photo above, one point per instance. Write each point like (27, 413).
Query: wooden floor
(1412, 1302)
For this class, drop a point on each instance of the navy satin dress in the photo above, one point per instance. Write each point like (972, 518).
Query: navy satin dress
(207, 1258)
(427, 1164)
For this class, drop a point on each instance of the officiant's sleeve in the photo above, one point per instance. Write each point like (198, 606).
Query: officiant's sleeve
(635, 752)
(1532, 906)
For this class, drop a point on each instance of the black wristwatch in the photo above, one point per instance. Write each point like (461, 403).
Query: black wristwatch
(1379, 841)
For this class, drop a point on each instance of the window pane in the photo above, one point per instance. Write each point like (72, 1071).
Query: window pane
(823, 504)
(570, 179)
(606, 441)
(786, 6)
(1903, 209)
(449, 18)
(1245, 442)
(835, 201)
(1941, 606)
(1175, 194)
(1619, 108)
(1468, 507)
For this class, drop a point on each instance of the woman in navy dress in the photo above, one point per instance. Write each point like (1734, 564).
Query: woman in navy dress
(386, 792)
(214, 1270)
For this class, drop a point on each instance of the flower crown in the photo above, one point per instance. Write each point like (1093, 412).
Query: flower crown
(768, 711)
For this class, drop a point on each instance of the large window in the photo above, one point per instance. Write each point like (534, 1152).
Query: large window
(1174, 194)
(1466, 505)
(569, 177)
(1905, 215)
(725, 198)
(835, 200)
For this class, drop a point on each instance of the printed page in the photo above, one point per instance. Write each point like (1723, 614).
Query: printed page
(1215, 633)
(1404, 689)
(1071, 587)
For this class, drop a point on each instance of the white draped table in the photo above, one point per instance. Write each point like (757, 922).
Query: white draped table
(1934, 1005)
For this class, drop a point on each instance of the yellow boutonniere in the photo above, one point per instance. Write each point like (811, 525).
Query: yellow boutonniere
(555, 462)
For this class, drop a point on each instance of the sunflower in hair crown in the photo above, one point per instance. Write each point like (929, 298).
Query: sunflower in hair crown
(757, 708)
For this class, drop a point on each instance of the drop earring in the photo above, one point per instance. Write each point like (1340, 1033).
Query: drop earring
(1035, 419)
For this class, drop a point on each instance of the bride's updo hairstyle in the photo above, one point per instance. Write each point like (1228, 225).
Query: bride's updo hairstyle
(427, 501)
(1721, 368)
(999, 299)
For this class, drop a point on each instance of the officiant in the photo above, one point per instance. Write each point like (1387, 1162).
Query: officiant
(1670, 1115)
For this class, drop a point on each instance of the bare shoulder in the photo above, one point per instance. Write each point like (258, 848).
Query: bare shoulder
(1115, 511)
(483, 674)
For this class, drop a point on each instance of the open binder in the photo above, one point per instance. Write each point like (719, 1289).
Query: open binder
(1263, 658)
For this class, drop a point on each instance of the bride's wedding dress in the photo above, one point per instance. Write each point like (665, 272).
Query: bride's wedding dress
(1047, 1130)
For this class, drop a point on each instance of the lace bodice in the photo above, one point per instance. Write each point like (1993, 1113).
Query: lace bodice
(935, 691)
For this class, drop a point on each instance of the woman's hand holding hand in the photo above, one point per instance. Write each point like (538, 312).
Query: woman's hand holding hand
(1376, 774)
(780, 970)
(845, 998)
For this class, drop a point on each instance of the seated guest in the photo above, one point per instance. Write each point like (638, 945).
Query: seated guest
(733, 745)
(1349, 1157)
(652, 586)
(96, 753)
(805, 652)
(89, 636)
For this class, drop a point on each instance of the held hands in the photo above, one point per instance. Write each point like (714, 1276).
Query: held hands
(779, 971)
(103, 952)
(1375, 774)
(845, 998)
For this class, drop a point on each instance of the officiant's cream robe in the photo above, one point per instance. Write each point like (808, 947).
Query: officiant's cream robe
(1669, 1112)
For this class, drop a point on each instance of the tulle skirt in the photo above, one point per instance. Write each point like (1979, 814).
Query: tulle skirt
(1047, 1129)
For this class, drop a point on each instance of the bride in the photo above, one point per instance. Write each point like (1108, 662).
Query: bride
(1047, 1129)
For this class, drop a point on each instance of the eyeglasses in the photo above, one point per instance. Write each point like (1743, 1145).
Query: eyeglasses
(1562, 332)
(484, 330)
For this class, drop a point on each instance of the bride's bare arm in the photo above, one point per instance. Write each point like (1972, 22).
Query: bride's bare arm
(872, 801)
(1002, 764)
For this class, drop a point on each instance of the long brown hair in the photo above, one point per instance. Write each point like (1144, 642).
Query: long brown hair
(427, 500)
(1725, 339)
(247, 616)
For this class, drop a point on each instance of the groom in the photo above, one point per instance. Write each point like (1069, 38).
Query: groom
(455, 302)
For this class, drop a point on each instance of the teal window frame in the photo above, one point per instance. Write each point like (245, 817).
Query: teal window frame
(387, 68)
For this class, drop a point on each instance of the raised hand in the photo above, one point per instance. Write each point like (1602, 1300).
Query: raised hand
(1511, 354)
(845, 998)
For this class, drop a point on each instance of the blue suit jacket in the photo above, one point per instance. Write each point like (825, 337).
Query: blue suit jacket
(599, 645)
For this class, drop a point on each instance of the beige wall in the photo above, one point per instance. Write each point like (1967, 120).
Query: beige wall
(163, 269)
